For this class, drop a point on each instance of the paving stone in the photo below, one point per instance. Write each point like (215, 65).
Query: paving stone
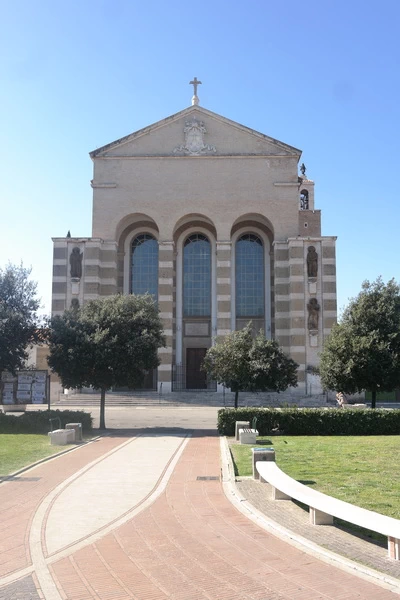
(334, 538)
(23, 589)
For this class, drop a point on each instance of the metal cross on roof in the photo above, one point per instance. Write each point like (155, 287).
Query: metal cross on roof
(195, 83)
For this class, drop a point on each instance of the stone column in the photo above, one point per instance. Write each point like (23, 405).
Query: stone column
(166, 302)
(328, 278)
(99, 269)
(297, 296)
(280, 316)
(108, 272)
(225, 319)
(60, 276)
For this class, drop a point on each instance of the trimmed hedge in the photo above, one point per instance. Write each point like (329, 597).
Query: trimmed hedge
(313, 421)
(38, 422)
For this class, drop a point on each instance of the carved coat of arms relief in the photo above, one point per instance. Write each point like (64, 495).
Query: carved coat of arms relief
(194, 145)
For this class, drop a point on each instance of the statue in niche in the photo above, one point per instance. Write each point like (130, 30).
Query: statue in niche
(304, 200)
(312, 262)
(313, 314)
(74, 304)
(75, 260)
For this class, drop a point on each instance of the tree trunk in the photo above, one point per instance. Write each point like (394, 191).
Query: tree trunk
(102, 408)
(373, 399)
(236, 398)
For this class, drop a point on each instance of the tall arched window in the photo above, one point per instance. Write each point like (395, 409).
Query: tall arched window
(249, 276)
(144, 265)
(197, 276)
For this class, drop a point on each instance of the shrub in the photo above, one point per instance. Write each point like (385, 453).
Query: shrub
(38, 422)
(312, 421)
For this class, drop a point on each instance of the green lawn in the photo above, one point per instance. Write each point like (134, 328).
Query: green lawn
(20, 450)
(361, 470)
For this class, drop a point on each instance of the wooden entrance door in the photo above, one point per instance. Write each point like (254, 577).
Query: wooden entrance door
(195, 378)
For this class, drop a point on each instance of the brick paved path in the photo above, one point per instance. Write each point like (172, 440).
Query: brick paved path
(192, 544)
(19, 499)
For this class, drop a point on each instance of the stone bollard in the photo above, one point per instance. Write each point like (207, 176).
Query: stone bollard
(77, 427)
(240, 425)
(261, 454)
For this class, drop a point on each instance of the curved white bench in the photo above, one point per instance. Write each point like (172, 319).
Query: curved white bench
(323, 508)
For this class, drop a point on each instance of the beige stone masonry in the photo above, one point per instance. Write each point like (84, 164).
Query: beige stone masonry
(57, 306)
(282, 273)
(281, 254)
(107, 289)
(108, 256)
(281, 289)
(91, 271)
(330, 305)
(329, 269)
(297, 289)
(310, 223)
(296, 252)
(92, 252)
(329, 287)
(60, 270)
(60, 253)
(91, 289)
(328, 251)
(59, 287)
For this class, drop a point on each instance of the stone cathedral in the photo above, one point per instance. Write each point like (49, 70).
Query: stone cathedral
(214, 220)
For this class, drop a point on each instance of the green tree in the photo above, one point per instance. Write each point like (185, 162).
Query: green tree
(363, 350)
(18, 316)
(110, 342)
(241, 362)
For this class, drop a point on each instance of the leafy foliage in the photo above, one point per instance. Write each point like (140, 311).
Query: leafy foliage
(110, 342)
(312, 421)
(38, 422)
(241, 362)
(363, 350)
(18, 316)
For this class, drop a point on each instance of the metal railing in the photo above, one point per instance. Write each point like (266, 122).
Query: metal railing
(191, 380)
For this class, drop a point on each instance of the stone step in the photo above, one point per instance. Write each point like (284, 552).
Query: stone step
(185, 398)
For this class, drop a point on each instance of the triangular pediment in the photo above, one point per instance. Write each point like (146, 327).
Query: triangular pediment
(195, 131)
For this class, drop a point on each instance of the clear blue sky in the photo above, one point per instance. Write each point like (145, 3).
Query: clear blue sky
(320, 76)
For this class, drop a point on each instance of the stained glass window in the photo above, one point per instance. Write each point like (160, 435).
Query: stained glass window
(145, 265)
(197, 276)
(249, 267)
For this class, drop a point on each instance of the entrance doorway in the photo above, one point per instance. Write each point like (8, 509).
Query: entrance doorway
(196, 379)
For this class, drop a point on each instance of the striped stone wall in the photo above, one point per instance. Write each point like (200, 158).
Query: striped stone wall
(99, 271)
(293, 291)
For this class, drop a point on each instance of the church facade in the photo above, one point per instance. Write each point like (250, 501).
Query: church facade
(212, 219)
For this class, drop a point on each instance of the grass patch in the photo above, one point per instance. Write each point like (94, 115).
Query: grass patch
(19, 450)
(361, 470)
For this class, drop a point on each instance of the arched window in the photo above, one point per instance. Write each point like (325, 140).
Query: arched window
(304, 200)
(249, 276)
(197, 276)
(144, 265)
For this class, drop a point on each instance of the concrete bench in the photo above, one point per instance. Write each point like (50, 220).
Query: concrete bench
(61, 437)
(323, 508)
(77, 427)
(249, 435)
(240, 425)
